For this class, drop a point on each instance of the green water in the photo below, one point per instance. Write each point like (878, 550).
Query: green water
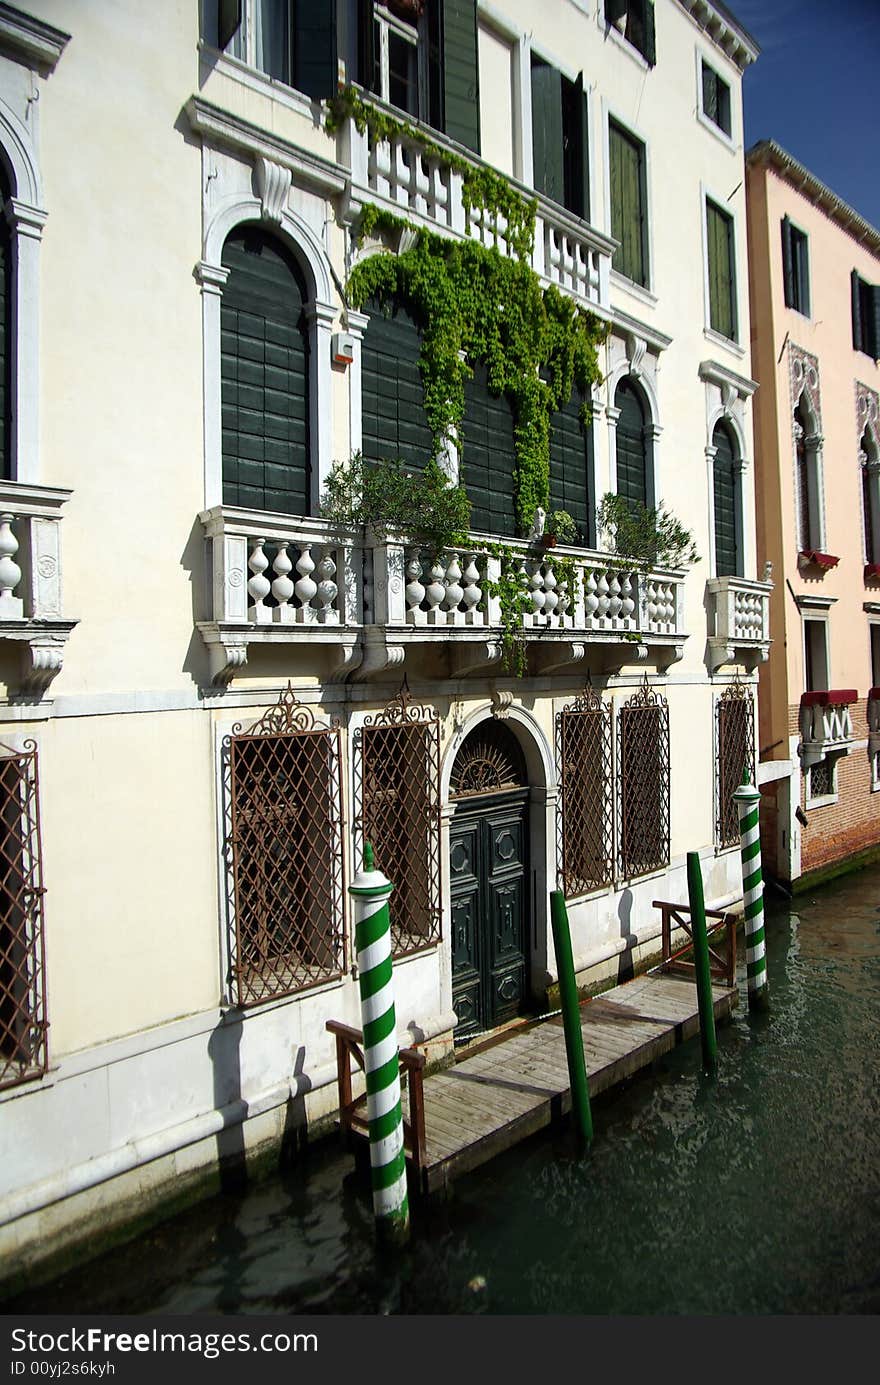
(755, 1192)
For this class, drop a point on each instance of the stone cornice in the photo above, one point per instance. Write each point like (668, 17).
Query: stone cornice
(31, 40)
(221, 129)
(718, 374)
(769, 154)
(632, 326)
(724, 29)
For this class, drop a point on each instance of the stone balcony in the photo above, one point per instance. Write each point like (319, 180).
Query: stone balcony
(399, 175)
(825, 724)
(739, 621)
(275, 580)
(31, 603)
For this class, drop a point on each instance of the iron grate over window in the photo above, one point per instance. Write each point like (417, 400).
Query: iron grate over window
(822, 779)
(585, 822)
(397, 788)
(23, 1024)
(735, 752)
(284, 854)
(643, 782)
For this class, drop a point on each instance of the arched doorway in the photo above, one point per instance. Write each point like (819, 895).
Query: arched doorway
(489, 879)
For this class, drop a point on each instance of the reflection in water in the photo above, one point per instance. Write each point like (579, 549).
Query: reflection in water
(756, 1192)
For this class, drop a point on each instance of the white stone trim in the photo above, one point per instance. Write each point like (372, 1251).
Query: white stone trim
(30, 40)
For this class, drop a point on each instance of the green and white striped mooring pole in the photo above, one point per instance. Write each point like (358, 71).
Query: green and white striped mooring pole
(747, 798)
(370, 891)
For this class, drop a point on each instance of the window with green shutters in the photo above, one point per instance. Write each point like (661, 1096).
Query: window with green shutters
(716, 98)
(726, 505)
(865, 316)
(628, 203)
(488, 459)
(5, 336)
(634, 19)
(795, 268)
(392, 394)
(294, 41)
(571, 468)
(634, 479)
(722, 275)
(559, 138)
(264, 376)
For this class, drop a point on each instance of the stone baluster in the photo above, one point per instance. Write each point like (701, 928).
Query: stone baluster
(421, 183)
(380, 168)
(259, 585)
(11, 607)
(435, 593)
(551, 596)
(306, 588)
(602, 593)
(614, 601)
(472, 594)
(328, 589)
(591, 596)
(536, 592)
(414, 591)
(627, 604)
(454, 589)
(282, 587)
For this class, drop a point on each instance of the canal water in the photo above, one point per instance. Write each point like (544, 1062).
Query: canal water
(756, 1191)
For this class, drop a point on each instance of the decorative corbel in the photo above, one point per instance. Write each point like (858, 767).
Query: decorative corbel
(272, 183)
(227, 650)
(635, 348)
(473, 656)
(42, 657)
(560, 654)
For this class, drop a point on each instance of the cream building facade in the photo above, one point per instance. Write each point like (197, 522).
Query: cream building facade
(199, 732)
(815, 286)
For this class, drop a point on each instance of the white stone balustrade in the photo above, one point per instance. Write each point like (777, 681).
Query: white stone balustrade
(398, 174)
(739, 620)
(825, 725)
(31, 598)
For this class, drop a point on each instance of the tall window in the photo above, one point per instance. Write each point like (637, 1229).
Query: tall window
(393, 396)
(284, 854)
(635, 20)
(489, 456)
(23, 1051)
(559, 138)
(870, 464)
(634, 481)
(865, 316)
(716, 98)
(795, 268)
(722, 271)
(585, 820)
(571, 467)
(629, 222)
(6, 340)
(643, 782)
(735, 751)
(728, 561)
(809, 481)
(815, 655)
(264, 376)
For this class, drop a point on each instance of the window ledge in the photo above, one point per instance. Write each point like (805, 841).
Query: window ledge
(727, 342)
(255, 80)
(30, 40)
(811, 559)
(826, 801)
(637, 290)
(611, 31)
(717, 131)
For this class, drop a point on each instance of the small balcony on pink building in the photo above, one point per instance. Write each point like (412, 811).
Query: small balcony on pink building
(739, 621)
(825, 724)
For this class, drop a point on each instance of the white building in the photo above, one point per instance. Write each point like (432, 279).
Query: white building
(183, 365)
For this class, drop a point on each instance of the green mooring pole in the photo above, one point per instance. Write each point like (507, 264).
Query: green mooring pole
(747, 799)
(571, 1017)
(701, 958)
(370, 891)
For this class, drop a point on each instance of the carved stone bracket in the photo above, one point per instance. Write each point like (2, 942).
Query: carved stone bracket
(379, 656)
(272, 183)
(721, 652)
(473, 656)
(560, 654)
(42, 653)
(228, 653)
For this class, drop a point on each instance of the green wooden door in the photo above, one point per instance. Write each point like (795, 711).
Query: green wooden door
(264, 376)
(488, 854)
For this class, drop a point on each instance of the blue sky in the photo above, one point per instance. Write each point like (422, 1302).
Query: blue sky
(815, 89)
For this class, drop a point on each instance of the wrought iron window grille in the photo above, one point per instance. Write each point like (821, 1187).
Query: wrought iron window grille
(284, 853)
(585, 820)
(23, 1022)
(734, 752)
(643, 783)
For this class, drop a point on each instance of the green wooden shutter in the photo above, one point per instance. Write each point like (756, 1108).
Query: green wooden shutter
(632, 459)
(392, 393)
(627, 219)
(725, 488)
(722, 305)
(710, 93)
(454, 79)
(314, 48)
(787, 264)
(264, 376)
(575, 147)
(857, 326)
(571, 466)
(6, 344)
(547, 130)
(489, 457)
(875, 345)
(650, 52)
(615, 9)
(229, 20)
(366, 47)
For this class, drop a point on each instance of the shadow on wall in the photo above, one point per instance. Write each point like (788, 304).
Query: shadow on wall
(625, 967)
(223, 1050)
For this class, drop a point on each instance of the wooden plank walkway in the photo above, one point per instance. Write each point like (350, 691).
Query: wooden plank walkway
(517, 1083)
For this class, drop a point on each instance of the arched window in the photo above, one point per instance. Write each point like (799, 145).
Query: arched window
(634, 479)
(264, 375)
(393, 396)
(808, 479)
(571, 466)
(6, 343)
(488, 457)
(728, 545)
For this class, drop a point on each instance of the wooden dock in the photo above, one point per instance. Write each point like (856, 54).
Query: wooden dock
(517, 1082)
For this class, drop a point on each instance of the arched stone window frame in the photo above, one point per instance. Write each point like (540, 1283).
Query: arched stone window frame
(267, 205)
(806, 398)
(727, 396)
(634, 356)
(868, 427)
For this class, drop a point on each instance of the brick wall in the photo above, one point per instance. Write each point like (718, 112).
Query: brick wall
(852, 823)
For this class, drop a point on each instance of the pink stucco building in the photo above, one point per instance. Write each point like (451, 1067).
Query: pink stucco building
(815, 318)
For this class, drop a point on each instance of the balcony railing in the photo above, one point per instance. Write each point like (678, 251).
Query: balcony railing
(825, 724)
(31, 601)
(398, 174)
(739, 621)
(274, 579)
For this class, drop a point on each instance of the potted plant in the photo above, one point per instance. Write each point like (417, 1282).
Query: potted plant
(560, 528)
(648, 537)
(390, 497)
